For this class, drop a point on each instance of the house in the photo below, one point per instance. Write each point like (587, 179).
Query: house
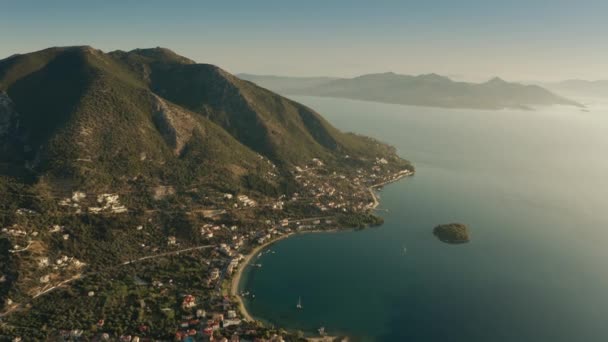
(225, 249)
(76, 333)
(230, 268)
(55, 228)
(215, 273)
(179, 335)
(188, 302)
(276, 338)
(231, 314)
(43, 262)
(382, 161)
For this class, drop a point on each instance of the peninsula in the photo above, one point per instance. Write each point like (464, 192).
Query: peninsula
(137, 183)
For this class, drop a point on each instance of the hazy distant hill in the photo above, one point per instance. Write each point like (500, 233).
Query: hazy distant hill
(285, 85)
(76, 116)
(423, 90)
(580, 88)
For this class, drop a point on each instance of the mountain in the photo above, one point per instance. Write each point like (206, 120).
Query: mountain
(423, 90)
(580, 88)
(73, 117)
(286, 85)
(146, 157)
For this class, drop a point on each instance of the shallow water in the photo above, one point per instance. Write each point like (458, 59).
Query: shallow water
(532, 187)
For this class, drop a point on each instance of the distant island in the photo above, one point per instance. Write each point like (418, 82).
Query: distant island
(453, 233)
(430, 90)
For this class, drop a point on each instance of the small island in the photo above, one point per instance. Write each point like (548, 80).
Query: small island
(453, 233)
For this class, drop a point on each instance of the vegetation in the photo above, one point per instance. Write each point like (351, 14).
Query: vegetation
(122, 171)
(452, 233)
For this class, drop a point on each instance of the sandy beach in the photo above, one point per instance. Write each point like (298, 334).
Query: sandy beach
(236, 278)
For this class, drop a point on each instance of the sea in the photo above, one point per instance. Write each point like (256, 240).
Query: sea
(532, 186)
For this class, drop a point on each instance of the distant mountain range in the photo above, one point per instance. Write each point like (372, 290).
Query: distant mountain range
(79, 117)
(580, 88)
(423, 90)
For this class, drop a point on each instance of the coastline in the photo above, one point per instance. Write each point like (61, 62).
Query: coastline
(238, 274)
(236, 278)
(371, 188)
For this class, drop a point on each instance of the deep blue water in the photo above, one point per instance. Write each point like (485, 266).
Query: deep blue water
(533, 188)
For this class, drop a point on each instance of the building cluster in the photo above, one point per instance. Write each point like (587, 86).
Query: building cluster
(341, 192)
(108, 202)
(105, 203)
(73, 201)
(246, 201)
(203, 326)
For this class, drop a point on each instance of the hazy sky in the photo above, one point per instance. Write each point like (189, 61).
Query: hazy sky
(474, 39)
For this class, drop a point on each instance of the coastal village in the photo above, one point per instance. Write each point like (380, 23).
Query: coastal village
(231, 230)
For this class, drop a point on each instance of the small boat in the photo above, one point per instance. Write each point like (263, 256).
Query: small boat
(404, 249)
(259, 255)
(321, 331)
(299, 305)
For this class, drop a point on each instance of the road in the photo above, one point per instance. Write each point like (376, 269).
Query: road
(166, 254)
(80, 275)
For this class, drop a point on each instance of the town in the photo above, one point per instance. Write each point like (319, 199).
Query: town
(191, 271)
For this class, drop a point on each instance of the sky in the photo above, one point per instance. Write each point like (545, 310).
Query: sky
(518, 40)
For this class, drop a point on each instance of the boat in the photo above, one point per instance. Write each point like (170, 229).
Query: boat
(404, 249)
(321, 331)
(299, 305)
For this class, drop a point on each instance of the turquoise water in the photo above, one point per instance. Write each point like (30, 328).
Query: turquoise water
(533, 188)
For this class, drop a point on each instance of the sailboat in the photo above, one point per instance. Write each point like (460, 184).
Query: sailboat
(299, 305)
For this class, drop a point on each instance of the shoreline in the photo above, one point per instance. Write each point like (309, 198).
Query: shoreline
(371, 188)
(238, 274)
(236, 278)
